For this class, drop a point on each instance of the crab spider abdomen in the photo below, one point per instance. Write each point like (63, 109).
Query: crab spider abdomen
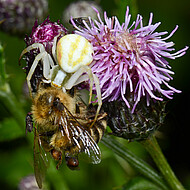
(73, 51)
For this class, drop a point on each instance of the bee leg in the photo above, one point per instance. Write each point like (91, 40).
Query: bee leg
(29, 122)
(57, 155)
(59, 163)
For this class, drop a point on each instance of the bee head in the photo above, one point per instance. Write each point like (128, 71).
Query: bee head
(57, 104)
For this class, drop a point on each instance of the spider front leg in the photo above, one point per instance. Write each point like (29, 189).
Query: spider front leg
(46, 68)
(54, 47)
(99, 96)
(46, 61)
(31, 47)
(77, 78)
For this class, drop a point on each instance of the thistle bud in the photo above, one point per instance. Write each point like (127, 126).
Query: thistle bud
(137, 125)
(81, 9)
(18, 16)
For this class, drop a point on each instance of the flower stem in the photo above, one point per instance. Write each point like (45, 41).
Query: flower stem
(11, 103)
(156, 153)
(134, 161)
(7, 98)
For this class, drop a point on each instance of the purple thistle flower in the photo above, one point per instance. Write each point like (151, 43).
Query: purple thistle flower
(130, 59)
(45, 33)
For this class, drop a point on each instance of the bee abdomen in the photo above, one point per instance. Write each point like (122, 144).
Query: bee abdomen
(97, 130)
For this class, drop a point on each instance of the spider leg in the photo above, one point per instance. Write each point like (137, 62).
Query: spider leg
(81, 79)
(77, 78)
(73, 79)
(94, 78)
(54, 47)
(32, 69)
(98, 91)
(90, 74)
(99, 96)
(31, 47)
(47, 63)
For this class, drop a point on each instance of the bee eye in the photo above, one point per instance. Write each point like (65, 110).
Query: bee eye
(46, 99)
(77, 108)
(57, 104)
(56, 99)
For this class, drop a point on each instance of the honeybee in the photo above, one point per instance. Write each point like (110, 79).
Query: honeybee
(63, 129)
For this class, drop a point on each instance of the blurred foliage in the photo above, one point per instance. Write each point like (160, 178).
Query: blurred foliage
(16, 149)
(139, 183)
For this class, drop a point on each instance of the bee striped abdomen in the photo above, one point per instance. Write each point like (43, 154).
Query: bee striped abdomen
(97, 130)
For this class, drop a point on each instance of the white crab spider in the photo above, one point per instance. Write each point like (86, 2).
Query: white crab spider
(72, 55)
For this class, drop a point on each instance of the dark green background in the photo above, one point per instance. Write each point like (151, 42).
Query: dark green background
(16, 155)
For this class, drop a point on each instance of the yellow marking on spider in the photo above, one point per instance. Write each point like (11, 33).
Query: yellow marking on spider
(73, 48)
(84, 52)
(74, 51)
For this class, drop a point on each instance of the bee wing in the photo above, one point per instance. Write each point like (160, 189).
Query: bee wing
(41, 161)
(86, 144)
(80, 137)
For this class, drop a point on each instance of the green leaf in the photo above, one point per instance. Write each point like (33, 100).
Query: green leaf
(9, 130)
(56, 178)
(140, 183)
(15, 163)
(136, 162)
(2, 67)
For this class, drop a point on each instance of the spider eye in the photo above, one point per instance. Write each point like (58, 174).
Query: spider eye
(73, 51)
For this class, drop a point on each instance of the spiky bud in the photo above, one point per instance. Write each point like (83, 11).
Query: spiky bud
(18, 16)
(137, 125)
(80, 9)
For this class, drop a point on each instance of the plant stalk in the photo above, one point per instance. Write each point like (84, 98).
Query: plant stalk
(134, 161)
(156, 153)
